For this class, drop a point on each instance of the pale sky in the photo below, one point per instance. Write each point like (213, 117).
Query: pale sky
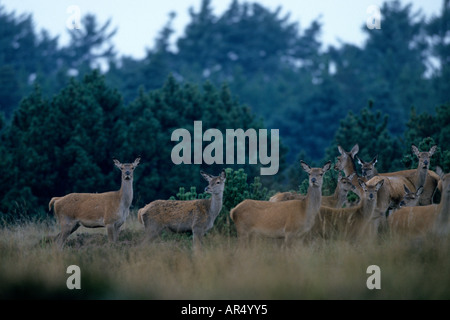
(139, 21)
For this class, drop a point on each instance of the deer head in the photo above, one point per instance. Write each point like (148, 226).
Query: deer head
(368, 168)
(315, 174)
(345, 183)
(127, 168)
(346, 158)
(424, 157)
(370, 191)
(216, 185)
(410, 199)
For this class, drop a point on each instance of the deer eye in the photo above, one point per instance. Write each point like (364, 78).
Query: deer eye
(218, 182)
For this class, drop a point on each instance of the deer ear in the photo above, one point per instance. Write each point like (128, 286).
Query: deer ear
(406, 189)
(419, 191)
(415, 150)
(354, 150)
(362, 184)
(327, 166)
(379, 185)
(206, 176)
(136, 162)
(375, 160)
(223, 175)
(341, 151)
(433, 150)
(305, 166)
(350, 177)
(359, 160)
(117, 163)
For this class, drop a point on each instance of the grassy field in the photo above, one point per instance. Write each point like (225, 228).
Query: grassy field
(31, 267)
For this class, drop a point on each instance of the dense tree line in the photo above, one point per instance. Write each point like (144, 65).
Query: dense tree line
(62, 121)
(67, 143)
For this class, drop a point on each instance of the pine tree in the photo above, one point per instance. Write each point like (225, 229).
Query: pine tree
(65, 144)
(370, 131)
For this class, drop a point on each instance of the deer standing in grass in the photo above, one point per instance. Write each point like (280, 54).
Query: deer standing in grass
(94, 210)
(392, 192)
(421, 176)
(285, 219)
(336, 200)
(351, 222)
(410, 198)
(197, 216)
(419, 220)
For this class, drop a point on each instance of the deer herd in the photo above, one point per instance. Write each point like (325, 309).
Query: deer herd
(400, 203)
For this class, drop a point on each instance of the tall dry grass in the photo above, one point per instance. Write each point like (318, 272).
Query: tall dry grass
(32, 267)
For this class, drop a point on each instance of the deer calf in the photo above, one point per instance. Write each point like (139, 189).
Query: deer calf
(350, 222)
(285, 219)
(93, 210)
(197, 216)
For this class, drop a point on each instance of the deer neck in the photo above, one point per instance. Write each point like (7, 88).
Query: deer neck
(313, 202)
(340, 196)
(216, 204)
(421, 176)
(368, 208)
(370, 217)
(349, 167)
(126, 193)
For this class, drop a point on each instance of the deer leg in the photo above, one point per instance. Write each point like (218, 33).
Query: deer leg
(67, 228)
(380, 223)
(112, 231)
(197, 239)
(287, 240)
(244, 236)
(151, 234)
(246, 239)
(152, 229)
